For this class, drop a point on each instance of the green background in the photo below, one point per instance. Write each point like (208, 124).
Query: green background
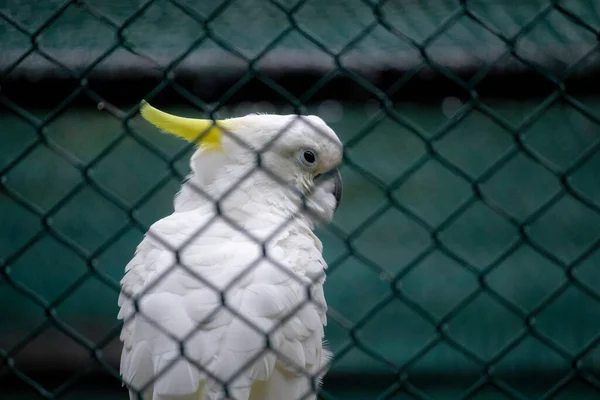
(437, 283)
(426, 211)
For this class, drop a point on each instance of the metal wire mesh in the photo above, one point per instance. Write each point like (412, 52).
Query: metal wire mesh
(417, 49)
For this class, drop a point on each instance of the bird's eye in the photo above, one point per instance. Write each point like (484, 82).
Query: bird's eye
(308, 157)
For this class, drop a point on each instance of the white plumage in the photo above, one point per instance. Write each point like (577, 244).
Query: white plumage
(193, 260)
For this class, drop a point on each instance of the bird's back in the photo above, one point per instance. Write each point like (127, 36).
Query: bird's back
(181, 299)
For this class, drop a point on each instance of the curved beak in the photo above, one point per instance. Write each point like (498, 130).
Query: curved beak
(338, 184)
(338, 188)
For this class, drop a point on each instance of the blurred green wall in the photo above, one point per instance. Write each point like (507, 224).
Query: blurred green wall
(438, 283)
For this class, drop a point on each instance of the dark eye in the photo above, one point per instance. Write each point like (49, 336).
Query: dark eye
(309, 157)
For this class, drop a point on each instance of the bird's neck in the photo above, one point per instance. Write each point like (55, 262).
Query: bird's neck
(250, 198)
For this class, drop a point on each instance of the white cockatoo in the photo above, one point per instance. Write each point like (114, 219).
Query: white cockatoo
(224, 297)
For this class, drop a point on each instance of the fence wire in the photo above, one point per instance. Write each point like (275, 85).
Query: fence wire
(555, 69)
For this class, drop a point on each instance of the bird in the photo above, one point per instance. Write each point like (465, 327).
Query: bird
(223, 298)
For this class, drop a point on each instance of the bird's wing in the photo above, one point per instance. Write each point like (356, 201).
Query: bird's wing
(179, 299)
(303, 359)
(150, 306)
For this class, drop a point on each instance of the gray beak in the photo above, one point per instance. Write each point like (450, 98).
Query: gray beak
(338, 189)
(338, 184)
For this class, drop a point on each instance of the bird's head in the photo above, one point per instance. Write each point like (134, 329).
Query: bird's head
(297, 156)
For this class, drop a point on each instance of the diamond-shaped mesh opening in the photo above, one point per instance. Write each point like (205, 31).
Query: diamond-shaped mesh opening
(250, 29)
(561, 136)
(290, 47)
(15, 142)
(494, 235)
(453, 284)
(587, 12)
(363, 202)
(37, 170)
(19, 226)
(408, 324)
(555, 28)
(381, 46)
(462, 262)
(365, 284)
(504, 187)
(71, 131)
(197, 60)
(49, 269)
(422, 21)
(576, 309)
(392, 241)
(169, 44)
(583, 181)
(144, 170)
(472, 43)
(497, 327)
(86, 46)
(26, 14)
(420, 192)
(587, 272)
(38, 344)
(508, 21)
(526, 278)
(474, 144)
(90, 229)
(353, 21)
(18, 43)
(25, 319)
(518, 360)
(369, 152)
(568, 229)
(90, 295)
(431, 362)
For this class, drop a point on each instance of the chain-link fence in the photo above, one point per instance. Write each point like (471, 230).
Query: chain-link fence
(463, 261)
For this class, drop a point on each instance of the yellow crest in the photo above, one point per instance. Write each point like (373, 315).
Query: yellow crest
(207, 133)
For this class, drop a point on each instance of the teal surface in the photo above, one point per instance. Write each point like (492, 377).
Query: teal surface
(432, 277)
(392, 331)
(83, 32)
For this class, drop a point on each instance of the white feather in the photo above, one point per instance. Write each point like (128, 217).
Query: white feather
(200, 285)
